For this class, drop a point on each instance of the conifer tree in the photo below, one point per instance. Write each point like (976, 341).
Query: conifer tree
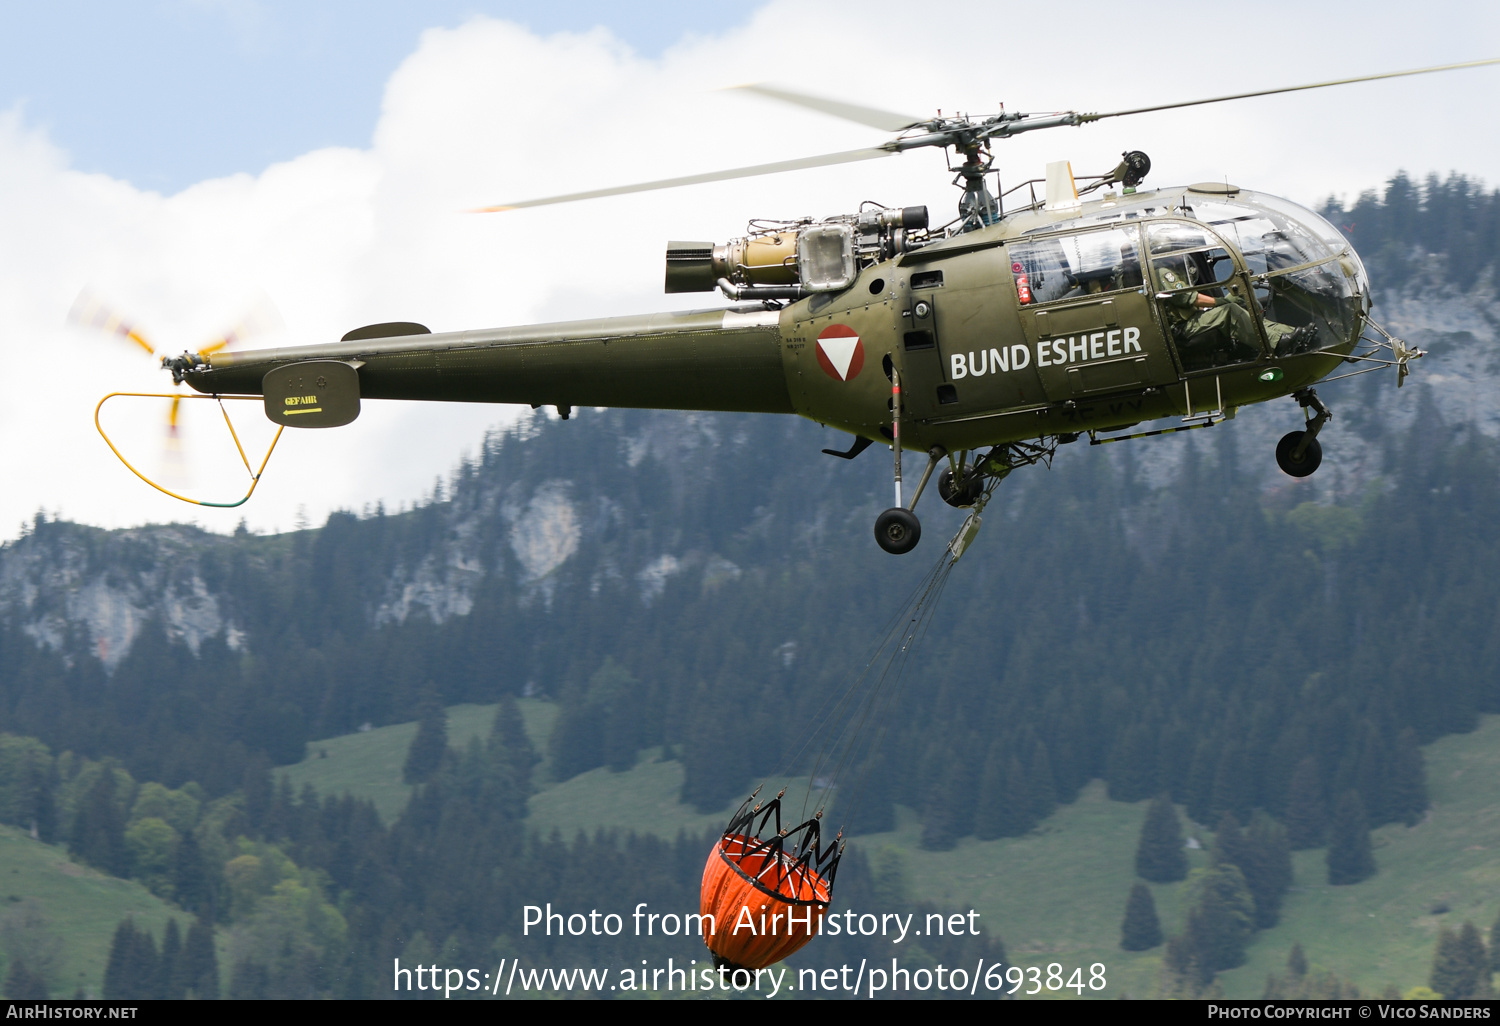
(1296, 962)
(1141, 930)
(1040, 784)
(1231, 782)
(200, 963)
(1065, 752)
(599, 725)
(1456, 972)
(37, 808)
(705, 784)
(1132, 765)
(1350, 858)
(1017, 813)
(134, 968)
(1221, 917)
(617, 718)
(281, 816)
(1200, 782)
(1368, 772)
(258, 790)
(171, 986)
(1406, 788)
(1475, 963)
(427, 749)
(143, 966)
(190, 879)
(875, 809)
(622, 734)
(1260, 853)
(1183, 974)
(940, 829)
(1267, 868)
(1159, 857)
(120, 950)
(99, 827)
(1229, 845)
(989, 817)
(1306, 815)
(509, 733)
(1173, 762)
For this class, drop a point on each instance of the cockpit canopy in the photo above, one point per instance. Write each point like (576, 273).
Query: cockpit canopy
(1286, 264)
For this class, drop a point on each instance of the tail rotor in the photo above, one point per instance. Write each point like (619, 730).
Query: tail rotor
(94, 314)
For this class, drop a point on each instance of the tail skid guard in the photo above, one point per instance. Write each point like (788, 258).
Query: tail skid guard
(255, 474)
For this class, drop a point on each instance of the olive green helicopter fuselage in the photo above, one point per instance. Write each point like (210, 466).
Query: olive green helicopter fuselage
(1046, 324)
(989, 341)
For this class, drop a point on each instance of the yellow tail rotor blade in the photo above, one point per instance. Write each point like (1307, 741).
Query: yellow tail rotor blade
(90, 312)
(260, 319)
(224, 343)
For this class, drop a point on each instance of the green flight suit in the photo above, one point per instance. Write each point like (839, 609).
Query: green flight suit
(1203, 331)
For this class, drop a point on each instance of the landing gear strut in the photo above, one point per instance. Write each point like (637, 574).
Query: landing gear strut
(898, 530)
(965, 485)
(1299, 453)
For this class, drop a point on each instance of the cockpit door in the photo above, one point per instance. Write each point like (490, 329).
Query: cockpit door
(1203, 297)
(1087, 315)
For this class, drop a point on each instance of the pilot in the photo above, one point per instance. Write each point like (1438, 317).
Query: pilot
(1203, 322)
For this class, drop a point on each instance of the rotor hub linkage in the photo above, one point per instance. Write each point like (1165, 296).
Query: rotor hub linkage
(180, 365)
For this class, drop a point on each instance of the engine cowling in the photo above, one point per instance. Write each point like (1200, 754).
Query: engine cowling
(789, 258)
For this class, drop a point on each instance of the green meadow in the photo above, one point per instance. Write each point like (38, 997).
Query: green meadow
(1058, 893)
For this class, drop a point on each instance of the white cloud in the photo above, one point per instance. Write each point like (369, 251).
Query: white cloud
(487, 113)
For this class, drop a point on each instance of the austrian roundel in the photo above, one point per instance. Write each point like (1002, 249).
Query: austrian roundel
(840, 352)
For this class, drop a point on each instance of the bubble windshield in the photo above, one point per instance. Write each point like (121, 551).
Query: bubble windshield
(1308, 288)
(1304, 272)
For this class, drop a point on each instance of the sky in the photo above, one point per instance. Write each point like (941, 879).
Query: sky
(186, 161)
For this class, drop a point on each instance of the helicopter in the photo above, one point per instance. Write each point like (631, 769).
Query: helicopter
(1024, 323)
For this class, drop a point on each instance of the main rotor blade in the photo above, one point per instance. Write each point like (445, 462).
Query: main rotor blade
(874, 117)
(1297, 89)
(846, 157)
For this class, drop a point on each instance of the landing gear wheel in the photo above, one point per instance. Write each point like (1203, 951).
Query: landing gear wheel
(1311, 456)
(961, 497)
(898, 530)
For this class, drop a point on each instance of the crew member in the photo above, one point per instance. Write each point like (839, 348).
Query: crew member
(1202, 323)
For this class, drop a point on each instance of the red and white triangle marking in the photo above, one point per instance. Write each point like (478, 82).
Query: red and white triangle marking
(840, 352)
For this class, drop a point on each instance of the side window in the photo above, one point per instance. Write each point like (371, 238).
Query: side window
(1072, 266)
(1205, 269)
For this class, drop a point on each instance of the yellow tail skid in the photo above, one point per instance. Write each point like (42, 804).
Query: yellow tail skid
(255, 475)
